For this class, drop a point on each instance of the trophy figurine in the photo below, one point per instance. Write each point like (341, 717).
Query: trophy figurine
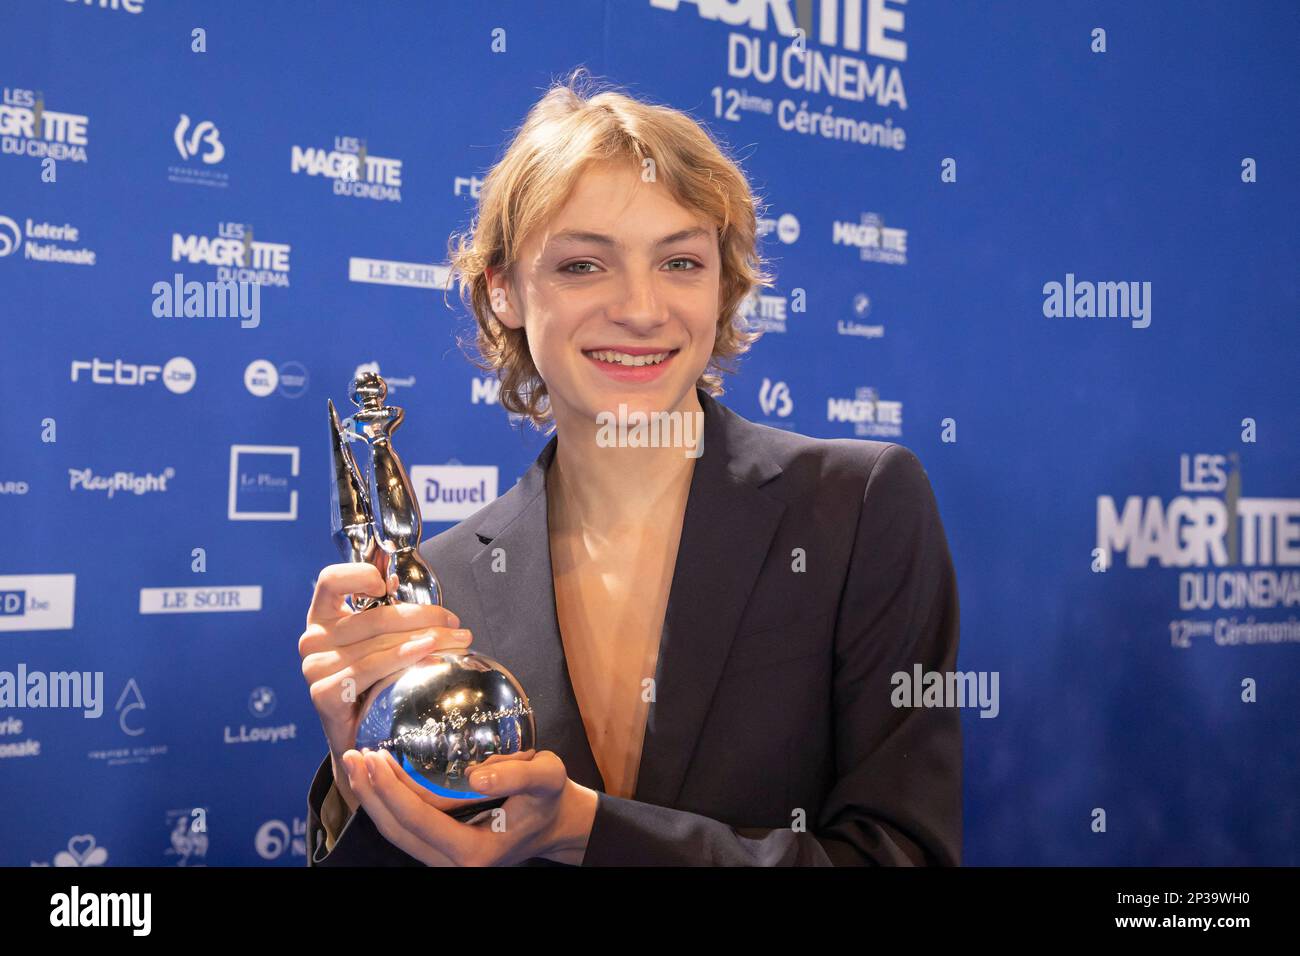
(452, 709)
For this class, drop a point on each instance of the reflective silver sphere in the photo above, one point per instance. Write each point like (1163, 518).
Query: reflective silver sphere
(444, 715)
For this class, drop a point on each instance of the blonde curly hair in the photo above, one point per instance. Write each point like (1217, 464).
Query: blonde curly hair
(571, 126)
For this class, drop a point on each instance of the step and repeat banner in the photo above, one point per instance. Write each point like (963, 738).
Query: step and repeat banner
(972, 211)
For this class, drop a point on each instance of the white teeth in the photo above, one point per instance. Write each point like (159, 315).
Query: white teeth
(622, 358)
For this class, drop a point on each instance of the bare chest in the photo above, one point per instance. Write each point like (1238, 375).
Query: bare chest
(610, 599)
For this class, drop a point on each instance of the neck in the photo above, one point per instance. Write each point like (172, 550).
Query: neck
(608, 487)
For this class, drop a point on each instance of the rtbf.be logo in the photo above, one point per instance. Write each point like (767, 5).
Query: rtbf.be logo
(177, 374)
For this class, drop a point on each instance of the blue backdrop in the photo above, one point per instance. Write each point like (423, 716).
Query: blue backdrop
(1121, 492)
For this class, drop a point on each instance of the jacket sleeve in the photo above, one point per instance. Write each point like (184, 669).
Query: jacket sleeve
(358, 844)
(896, 799)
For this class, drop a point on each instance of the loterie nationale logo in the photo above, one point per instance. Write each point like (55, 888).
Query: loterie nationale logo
(1237, 555)
(236, 254)
(41, 241)
(353, 170)
(29, 128)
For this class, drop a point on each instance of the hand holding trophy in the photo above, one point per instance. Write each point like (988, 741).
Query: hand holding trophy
(452, 710)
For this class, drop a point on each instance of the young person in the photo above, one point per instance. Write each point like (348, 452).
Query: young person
(706, 629)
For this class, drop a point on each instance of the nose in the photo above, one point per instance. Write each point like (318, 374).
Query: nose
(638, 309)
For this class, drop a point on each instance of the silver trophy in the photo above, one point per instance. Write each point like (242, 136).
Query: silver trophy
(451, 710)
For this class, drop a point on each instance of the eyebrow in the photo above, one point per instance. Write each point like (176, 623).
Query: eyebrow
(579, 235)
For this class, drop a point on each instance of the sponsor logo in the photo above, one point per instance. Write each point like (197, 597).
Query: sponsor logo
(352, 168)
(198, 141)
(263, 378)
(467, 185)
(124, 481)
(774, 398)
(875, 241)
(415, 275)
(200, 600)
(28, 128)
(42, 242)
(483, 390)
(275, 838)
(13, 488)
(126, 6)
(261, 704)
(178, 374)
(861, 27)
(188, 835)
(37, 602)
(11, 237)
(83, 850)
(855, 326)
(394, 382)
(203, 141)
(786, 228)
(1247, 550)
(11, 727)
(872, 417)
(235, 254)
(130, 708)
(486, 390)
(262, 483)
(763, 312)
(453, 492)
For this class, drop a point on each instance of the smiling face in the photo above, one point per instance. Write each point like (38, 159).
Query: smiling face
(619, 295)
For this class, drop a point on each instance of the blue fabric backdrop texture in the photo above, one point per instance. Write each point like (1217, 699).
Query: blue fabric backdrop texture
(972, 209)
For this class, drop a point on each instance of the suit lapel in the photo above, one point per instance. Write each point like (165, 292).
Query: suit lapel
(726, 532)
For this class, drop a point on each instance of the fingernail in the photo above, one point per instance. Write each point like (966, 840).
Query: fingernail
(461, 634)
(455, 620)
(483, 780)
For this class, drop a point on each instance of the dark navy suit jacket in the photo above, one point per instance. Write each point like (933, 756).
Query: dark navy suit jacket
(809, 571)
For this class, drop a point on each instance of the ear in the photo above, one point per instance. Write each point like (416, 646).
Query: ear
(501, 299)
